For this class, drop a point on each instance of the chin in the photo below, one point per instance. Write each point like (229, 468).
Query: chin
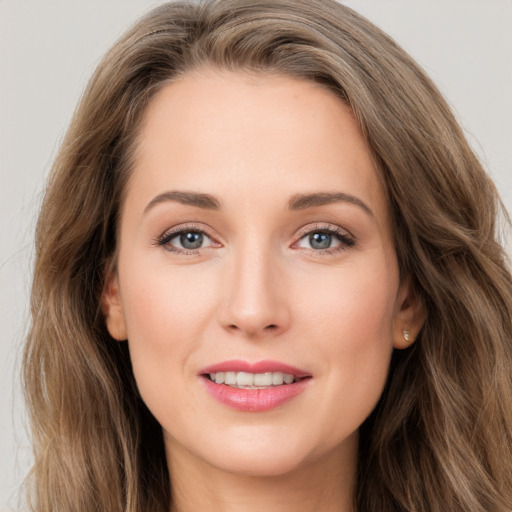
(262, 454)
(262, 464)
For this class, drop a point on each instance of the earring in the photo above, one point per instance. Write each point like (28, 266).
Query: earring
(407, 335)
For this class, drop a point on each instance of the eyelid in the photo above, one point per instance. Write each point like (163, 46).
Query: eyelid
(164, 239)
(322, 226)
(346, 239)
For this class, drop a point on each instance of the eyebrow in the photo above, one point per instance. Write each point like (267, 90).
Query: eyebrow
(198, 199)
(304, 201)
(297, 202)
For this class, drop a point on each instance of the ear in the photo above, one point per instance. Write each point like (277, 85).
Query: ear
(112, 307)
(409, 316)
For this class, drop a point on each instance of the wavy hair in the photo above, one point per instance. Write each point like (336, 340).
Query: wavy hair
(440, 437)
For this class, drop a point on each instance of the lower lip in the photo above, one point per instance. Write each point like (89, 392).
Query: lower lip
(255, 400)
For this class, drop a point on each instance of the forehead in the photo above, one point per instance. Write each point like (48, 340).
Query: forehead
(252, 135)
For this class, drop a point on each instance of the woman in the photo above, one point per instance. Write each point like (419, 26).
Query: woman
(268, 274)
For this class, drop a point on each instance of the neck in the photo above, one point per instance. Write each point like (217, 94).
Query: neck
(326, 483)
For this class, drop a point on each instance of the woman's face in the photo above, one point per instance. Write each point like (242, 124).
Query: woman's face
(255, 247)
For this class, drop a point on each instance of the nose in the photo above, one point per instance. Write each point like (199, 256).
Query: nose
(256, 303)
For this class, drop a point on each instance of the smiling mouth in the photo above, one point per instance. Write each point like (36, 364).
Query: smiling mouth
(254, 387)
(246, 380)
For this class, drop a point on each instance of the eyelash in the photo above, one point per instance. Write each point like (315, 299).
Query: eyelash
(346, 240)
(164, 239)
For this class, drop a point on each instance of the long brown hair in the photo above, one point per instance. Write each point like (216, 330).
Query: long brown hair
(441, 436)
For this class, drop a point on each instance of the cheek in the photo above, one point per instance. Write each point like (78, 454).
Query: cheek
(353, 330)
(354, 306)
(165, 315)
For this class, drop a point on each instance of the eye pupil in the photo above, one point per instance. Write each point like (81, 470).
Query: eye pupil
(320, 240)
(191, 240)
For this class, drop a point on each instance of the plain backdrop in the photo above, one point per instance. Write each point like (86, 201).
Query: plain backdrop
(49, 48)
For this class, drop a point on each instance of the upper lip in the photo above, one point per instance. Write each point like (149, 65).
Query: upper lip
(256, 367)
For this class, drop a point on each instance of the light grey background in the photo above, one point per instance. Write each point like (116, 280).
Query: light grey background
(49, 48)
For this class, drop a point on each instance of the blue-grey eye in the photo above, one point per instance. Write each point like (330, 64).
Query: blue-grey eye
(320, 240)
(191, 239)
(325, 239)
(186, 239)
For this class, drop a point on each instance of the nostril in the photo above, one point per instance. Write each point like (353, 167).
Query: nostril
(270, 327)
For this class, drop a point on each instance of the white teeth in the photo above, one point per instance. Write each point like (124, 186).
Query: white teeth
(277, 378)
(288, 379)
(230, 378)
(252, 380)
(245, 379)
(263, 379)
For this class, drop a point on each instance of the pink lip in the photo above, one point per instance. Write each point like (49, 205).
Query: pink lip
(254, 400)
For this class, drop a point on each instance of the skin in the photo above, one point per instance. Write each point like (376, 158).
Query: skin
(257, 289)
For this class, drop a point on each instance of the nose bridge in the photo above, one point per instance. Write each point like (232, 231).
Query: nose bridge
(255, 304)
